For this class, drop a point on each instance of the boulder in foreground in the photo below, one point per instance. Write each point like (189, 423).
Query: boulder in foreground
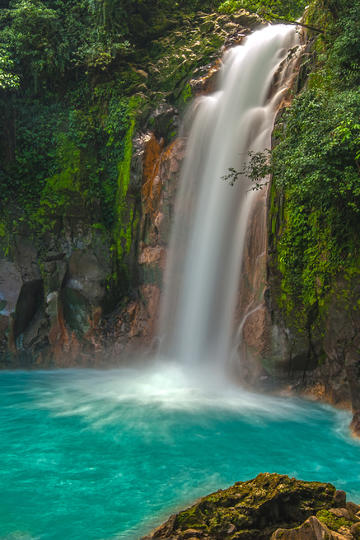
(271, 506)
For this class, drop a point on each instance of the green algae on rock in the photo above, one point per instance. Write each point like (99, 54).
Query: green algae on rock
(269, 506)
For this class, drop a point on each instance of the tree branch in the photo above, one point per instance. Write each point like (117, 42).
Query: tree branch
(296, 23)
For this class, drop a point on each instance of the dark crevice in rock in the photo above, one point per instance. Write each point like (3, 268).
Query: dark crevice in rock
(30, 300)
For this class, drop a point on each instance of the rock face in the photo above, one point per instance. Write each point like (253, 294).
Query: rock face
(271, 506)
(133, 328)
(52, 298)
(51, 302)
(311, 529)
(320, 361)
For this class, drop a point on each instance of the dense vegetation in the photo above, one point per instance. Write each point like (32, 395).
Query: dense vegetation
(68, 77)
(316, 168)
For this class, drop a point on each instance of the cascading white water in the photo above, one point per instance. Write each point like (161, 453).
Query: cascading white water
(206, 248)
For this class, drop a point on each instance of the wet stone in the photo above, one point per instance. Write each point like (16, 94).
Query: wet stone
(340, 498)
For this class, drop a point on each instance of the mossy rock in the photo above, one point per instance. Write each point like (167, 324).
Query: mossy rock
(332, 521)
(251, 510)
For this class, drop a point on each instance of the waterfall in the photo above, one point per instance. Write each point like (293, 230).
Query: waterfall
(211, 216)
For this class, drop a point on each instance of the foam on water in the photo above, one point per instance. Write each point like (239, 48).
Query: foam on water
(161, 384)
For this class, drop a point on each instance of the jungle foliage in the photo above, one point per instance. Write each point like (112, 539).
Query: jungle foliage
(316, 167)
(68, 74)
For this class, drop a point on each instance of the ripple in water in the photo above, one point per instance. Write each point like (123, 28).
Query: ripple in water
(110, 454)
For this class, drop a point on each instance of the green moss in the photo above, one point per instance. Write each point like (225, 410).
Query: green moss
(122, 228)
(178, 54)
(98, 227)
(352, 269)
(230, 6)
(190, 518)
(186, 94)
(319, 236)
(333, 522)
(62, 190)
(256, 508)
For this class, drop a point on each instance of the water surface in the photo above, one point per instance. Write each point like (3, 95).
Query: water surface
(109, 454)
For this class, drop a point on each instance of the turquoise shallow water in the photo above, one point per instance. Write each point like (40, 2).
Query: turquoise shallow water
(105, 455)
